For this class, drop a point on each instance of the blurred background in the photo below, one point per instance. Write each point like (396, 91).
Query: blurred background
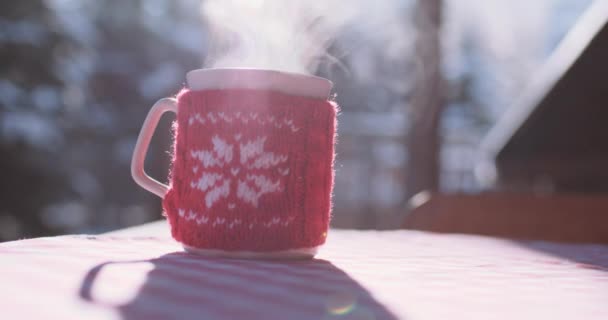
(420, 84)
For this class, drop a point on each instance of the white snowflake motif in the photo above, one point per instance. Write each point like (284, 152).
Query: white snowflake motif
(247, 175)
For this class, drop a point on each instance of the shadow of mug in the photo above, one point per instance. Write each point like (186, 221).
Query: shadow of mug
(183, 286)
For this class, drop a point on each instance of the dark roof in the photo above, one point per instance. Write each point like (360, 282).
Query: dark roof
(564, 111)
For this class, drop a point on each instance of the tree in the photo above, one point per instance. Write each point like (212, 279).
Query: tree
(423, 138)
(76, 81)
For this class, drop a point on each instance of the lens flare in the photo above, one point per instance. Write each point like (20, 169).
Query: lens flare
(341, 303)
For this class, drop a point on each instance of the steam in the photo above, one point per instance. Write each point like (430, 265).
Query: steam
(287, 35)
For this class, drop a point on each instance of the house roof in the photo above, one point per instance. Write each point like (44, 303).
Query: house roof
(564, 110)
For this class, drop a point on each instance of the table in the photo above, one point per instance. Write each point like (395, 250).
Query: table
(141, 273)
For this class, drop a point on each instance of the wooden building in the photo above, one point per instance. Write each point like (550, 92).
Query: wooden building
(545, 163)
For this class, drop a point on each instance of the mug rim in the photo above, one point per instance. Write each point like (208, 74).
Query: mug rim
(261, 79)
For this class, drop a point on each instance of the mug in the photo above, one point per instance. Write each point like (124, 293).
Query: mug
(252, 169)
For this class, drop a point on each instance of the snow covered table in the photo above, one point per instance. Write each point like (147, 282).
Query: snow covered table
(141, 273)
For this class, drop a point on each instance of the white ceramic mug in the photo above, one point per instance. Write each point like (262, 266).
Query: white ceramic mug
(218, 79)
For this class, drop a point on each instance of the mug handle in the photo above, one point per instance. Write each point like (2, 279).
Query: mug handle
(141, 147)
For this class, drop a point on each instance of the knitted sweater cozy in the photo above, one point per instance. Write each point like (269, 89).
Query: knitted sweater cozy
(252, 170)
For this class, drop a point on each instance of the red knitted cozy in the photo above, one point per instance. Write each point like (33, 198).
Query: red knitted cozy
(252, 170)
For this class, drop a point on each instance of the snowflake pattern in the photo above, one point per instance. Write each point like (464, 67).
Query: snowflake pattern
(249, 174)
(243, 118)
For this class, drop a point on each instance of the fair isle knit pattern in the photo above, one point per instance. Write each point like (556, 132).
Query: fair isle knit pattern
(252, 170)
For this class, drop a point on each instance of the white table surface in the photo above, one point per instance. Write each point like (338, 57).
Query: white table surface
(141, 273)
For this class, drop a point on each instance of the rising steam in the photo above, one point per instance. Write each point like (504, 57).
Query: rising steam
(287, 35)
